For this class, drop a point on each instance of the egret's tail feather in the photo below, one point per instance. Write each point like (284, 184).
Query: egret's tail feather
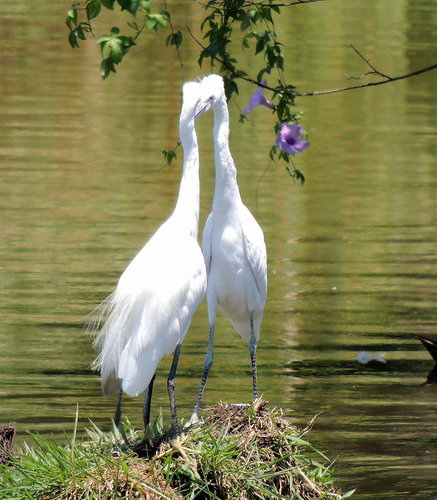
(98, 315)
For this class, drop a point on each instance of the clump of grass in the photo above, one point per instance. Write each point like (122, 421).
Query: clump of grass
(239, 452)
(246, 452)
(103, 466)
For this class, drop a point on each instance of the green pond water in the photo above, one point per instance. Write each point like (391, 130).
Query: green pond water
(351, 255)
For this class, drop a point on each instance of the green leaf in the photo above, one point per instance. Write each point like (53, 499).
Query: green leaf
(253, 14)
(73, 13)
(298, 175)
(127, 42)
(93, 9)
(109, 4)
(75, 35)
(260, 44)
(71, 17)
(116, 50)
(247, 38)
(230, 87)
(208, 18)
(144, 5)
(246, 23)
(104, 49)
(103, 38)
(284, 156)
(155, 20)
(150, 23)
(160, 19)
(259, 77)
(134, 26)
(169, 155)
(174, 39)
(106, 67)
(72, 39)
(80, 32)
(127, 5)
(69, 22)
(266, 13)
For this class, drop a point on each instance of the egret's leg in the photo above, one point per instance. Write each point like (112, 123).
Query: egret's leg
(117, 416)
(148, 403)
(171, 383)
(252, 351)
(206, 367)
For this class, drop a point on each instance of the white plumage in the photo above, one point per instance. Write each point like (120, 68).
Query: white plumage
(233, 246)
(158, 293)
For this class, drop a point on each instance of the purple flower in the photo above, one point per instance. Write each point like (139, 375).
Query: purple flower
(288, 141)
(258, 99)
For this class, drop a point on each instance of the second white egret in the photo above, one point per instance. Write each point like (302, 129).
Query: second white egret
(233, 246)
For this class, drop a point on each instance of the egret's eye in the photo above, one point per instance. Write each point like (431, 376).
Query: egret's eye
(211, 98)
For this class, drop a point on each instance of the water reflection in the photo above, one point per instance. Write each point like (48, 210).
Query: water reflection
(351, 255)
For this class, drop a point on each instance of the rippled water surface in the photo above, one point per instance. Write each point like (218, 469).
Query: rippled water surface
(352, 254)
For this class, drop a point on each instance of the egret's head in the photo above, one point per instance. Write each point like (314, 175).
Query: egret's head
(191, 95)
(212, 91)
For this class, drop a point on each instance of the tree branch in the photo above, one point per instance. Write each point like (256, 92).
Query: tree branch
(288, 4)
(173, 32)
(388, 79)
(370, 84)
(367, 61)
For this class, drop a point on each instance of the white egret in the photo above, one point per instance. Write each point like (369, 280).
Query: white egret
(233, 247)
(150, 311)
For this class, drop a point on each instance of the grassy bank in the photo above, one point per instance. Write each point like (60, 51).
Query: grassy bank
(237, 453)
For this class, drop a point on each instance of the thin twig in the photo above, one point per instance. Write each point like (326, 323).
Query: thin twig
(289, 4)
(173, 32)
(262, 4)
(139, 30)
(370, 84)
(342, 89)
(367, 61)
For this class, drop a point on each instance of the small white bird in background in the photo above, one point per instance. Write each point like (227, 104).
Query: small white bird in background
(365, 357)
(233, 247)
(150, 311)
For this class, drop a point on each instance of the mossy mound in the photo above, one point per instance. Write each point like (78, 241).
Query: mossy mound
(247, 452)
(239, 452)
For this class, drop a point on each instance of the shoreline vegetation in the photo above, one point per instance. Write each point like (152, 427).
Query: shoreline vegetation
(237, 452)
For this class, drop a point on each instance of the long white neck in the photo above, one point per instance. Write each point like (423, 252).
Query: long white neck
(226, 187)
(187, 206)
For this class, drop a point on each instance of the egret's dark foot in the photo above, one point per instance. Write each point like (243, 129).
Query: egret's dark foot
(174, 421)
(117, 416)
(117, 419)
(147, 437)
